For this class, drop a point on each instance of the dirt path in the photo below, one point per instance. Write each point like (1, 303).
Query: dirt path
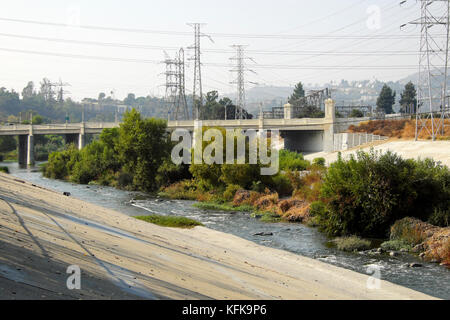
(43, 232)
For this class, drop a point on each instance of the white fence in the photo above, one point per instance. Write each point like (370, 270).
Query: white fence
(345, 141)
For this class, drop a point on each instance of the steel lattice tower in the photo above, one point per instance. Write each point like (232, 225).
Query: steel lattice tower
(432, 95)
(240, 81)
(175, 87)
(197, 93)
(181, 103)
(171, 83)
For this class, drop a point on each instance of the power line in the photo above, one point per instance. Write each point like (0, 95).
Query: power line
(220, 35)
(147, 47)
(261, 66)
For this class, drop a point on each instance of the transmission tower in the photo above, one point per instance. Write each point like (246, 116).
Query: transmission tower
(59, 89)
(182, 107)
(176, 87)
(240, 69)
(432, 97)
(197, 94)
(171, 83)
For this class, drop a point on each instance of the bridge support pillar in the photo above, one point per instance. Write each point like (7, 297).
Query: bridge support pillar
(30, 150)
(26, 150)
(81, 141)
(329, 129)
(81, 137)
(23, 143)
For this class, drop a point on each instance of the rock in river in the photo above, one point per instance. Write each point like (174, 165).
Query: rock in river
(264, 234)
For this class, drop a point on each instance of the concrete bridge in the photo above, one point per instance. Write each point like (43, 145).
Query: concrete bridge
(73, 132)
(304, 135)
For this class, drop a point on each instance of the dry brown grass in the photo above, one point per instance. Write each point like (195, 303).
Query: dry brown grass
(445, 253)
(401, 129)
(244, 197)
(298, 213)
(268, 203)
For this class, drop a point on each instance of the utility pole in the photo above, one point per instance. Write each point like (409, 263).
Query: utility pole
(197, 93)
(433, 67)
(240, 69)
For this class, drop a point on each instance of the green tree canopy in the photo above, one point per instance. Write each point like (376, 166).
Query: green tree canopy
(409, 98)
(298, 93)
(386, 100)
(142, 147)
(356, 113)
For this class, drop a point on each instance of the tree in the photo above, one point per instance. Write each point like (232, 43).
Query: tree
(101, 96)
(7, 143)
(230, 108)
(130, 100)
(142, 147)
(356, 113)
(408, 99)
(37, 119)
(386, 100)
(46, 90)
(299, 93)
(28, 92)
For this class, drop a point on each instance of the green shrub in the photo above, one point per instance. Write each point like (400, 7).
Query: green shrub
(169, 173)
(1, 158)
(183, 190)
(267, 216)
(407, 230)
(440, 217)
(258, 186)
(395, 245)
(367, 194)
(320, 162)
(171, 221)
(352, 243)
(60, 164)
(240, 174)
(4, 169)
(282, 185)
(293, 161)
(124, 180)
(318, 209)
(230, 191)
(223, 207)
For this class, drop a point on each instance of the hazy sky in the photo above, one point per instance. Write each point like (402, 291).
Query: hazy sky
(306, 35)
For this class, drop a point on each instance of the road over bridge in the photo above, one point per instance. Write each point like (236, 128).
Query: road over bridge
(304, 135)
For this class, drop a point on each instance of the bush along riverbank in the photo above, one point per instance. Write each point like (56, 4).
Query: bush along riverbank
(366, 197)
(356, 199)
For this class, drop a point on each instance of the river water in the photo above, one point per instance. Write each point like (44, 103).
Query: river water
(432, 279)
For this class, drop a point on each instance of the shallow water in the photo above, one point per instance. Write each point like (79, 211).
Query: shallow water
(297, 238)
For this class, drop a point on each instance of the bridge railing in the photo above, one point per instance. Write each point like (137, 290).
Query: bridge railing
(345, 141)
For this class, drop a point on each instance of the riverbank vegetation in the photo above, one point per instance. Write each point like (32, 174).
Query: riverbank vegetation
(132, 157)
(170, 221)
(366, 196)
(351, 243)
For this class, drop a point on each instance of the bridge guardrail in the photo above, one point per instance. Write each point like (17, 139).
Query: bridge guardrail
(345, 141)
